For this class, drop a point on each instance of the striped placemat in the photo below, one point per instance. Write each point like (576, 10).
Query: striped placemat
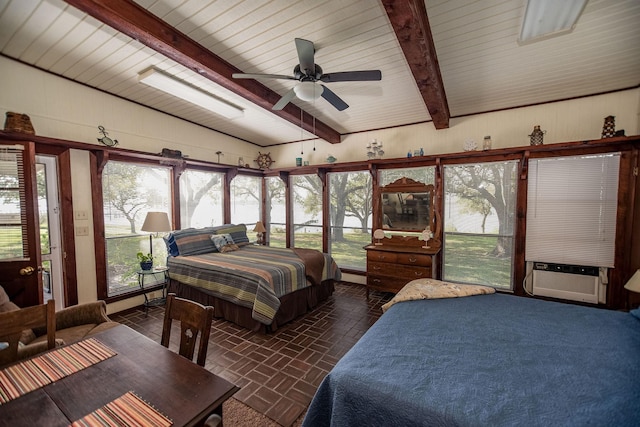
(127, 410)
(49, 367)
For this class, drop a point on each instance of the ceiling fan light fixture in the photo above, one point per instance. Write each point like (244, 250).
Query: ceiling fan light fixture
(180, 89)
(308, 91)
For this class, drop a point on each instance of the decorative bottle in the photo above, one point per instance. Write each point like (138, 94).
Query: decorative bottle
(486, 144)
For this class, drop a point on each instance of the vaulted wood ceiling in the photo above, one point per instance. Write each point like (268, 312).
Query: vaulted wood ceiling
(438, 58)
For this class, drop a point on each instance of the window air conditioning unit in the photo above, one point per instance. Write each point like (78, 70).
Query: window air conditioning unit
(571, 282)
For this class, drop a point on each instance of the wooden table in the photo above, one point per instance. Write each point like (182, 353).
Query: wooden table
(180, 389)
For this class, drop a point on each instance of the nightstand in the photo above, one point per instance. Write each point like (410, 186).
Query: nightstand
(159, 275)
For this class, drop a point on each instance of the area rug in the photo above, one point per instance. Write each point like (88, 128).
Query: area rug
(237, 414)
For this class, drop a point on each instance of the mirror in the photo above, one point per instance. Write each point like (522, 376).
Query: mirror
(406, 205)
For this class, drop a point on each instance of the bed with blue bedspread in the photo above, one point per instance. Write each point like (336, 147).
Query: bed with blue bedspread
(491, 360)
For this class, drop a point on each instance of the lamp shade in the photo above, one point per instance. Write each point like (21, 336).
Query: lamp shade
(633, 284)
(259, 228)
(156, 222)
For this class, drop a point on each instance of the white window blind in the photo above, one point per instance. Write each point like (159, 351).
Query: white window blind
(571, 210)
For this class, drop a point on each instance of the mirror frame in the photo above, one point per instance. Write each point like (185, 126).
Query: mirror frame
(407, 185)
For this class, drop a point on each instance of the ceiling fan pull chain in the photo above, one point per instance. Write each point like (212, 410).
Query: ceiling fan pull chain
(314, 127)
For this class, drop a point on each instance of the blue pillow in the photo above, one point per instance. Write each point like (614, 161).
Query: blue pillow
(172, 248)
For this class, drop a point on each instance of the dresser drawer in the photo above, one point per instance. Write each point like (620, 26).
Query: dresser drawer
(414, 259)
(398, 271)
(381, 256)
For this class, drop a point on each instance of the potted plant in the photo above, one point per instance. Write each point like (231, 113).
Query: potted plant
(146, 261)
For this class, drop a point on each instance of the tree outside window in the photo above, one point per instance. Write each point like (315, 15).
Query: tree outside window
(129, 191)
(350, 195)
(201, 199)
(479, 221)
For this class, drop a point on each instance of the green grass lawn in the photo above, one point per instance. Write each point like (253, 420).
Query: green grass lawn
(468, 259)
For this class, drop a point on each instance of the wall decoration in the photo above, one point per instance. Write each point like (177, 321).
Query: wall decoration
(16, 122)
(264, 161)
(537, 135)
(470, 145)
(609, 127)
(374, 149)
(105, 139)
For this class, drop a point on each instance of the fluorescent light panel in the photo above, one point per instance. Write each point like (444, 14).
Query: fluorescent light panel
(548, 18)
(185, 91)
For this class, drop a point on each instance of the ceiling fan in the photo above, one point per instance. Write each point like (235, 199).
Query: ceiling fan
(308, 73)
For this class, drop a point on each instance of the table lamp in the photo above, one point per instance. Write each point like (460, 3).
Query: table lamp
(155, 222)
(259, 228)
(633, 284)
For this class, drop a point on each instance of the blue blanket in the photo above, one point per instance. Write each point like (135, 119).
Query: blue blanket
(494, 360)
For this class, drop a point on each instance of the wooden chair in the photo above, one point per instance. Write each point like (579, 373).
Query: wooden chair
(13, 323)
(194, 318)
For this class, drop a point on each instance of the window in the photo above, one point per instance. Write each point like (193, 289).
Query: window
(307, 211)
(201, 199)
(350, 195)
(13, 228)
(571, 210)
(479, 214)
(276, 214)
(129, 191)
(246, 196)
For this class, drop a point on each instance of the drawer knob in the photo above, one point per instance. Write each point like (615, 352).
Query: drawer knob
(376, 280)
(413, 259)
(375, 267)
(418, 273)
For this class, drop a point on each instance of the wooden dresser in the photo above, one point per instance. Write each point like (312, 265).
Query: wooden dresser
(391, 266)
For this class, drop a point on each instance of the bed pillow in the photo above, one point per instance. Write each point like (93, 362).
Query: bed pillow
(223, 242)
(238, 233)
(193, 241)
(172, 248)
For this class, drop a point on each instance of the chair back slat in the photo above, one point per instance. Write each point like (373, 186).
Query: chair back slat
(12, 323)
(195, 319)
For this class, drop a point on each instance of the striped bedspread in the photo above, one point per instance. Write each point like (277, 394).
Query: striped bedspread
(253, 276)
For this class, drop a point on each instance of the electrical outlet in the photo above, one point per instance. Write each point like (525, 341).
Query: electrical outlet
(81, 215)
(82, 231)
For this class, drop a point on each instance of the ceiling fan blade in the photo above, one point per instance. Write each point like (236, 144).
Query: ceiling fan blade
(306, 51)
(334, 99)
(261, 76)
(352, 76)
(284, 100)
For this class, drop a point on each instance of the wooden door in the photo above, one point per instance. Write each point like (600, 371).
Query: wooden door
(19, 229)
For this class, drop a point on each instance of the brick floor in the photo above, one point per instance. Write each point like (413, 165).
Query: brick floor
(279, 372)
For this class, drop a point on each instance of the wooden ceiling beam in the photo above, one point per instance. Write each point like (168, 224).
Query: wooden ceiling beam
(129, 18)
(411, 25)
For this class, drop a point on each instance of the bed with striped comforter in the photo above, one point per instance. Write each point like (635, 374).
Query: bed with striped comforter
(252, 276)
